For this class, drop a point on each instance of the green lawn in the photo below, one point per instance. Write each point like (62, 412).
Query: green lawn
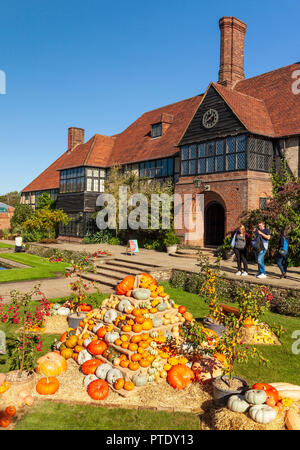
(3, 245)
(39, 268)
(59, 416)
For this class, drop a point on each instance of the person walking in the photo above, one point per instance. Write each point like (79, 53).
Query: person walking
(283, 254)
(239, 245)
(263, 234)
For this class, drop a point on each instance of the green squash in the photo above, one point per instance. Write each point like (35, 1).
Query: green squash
(237, 403)
(141, 294)
(161, 306)
(140, 380)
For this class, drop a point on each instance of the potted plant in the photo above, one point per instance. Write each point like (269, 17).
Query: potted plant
(215, 318)
(171, 241)
(79, 290)
(23, 347)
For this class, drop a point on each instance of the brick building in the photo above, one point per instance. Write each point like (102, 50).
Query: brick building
(218, 146)
(6, 213)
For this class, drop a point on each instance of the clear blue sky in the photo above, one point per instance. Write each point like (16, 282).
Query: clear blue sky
(99, 64)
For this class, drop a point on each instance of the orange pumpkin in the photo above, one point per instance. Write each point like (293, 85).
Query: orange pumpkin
(144, 362)
(124, 363)
(97, 347)
(64, 336)
(135, 339)
(10, 411)
(98, 389)
(5, 421)
(137, 328)
(51, 365)
(148, 324)
(128, 385)
(139, 320)
(90, 366)
(136, 312)
(180, 376)
(118, 342)
(101, 332)
(188, 316)
(78, 348)
(146, 279)
(136, 357)
(133, 347)
(126, 328)
(133, 365)
(125, 285)
(125, 345)
(47, 386)
(119, 383)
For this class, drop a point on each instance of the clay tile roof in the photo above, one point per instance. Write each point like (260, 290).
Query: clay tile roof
(275, 89)
(135, 143)
(48, 179)
(252, 112)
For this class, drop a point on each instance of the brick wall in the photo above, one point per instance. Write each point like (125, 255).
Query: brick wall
(232, 50)
(5, 218)
(237, 192)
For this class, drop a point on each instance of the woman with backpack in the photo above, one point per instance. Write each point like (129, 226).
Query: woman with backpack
(283, 254)
(239, 244)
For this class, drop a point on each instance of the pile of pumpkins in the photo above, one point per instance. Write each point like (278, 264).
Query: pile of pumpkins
(262, 403)
(118, 343)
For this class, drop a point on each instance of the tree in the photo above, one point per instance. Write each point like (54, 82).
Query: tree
(45, 202)
(45, 221)
(118, 178)
(11, 198)
(282, 213)
(21, 214)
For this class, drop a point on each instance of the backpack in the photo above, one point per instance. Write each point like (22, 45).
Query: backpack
(258, 244)
(283, 251)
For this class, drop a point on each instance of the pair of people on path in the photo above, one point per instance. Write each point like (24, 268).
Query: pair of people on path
(241, 241)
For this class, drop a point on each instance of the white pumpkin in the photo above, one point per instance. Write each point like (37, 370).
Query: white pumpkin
(140, 380)
(102, 370)
(113, 375)
(56, 306)
(123, 305)
(237, 403)
(86, 342)
(262, 413)
(111, 336)
(256, 396)
(110, 316)
(83, 356)
(96, 327)
(88, 379)
(62, 311)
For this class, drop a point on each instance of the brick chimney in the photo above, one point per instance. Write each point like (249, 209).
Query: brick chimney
(75, 137)
(232, 50)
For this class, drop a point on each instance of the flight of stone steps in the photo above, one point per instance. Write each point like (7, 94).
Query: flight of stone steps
(194, 253)
(111, 271)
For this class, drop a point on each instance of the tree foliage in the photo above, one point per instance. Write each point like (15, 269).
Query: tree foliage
(118, 178)
(282, 213)
(45, 221)
(21, 214)
(11, 198)
(45, 202)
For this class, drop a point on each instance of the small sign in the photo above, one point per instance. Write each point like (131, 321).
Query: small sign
(133, 246)
(2, 343)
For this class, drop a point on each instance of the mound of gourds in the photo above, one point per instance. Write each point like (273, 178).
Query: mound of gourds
(119, 343)
(262, 403)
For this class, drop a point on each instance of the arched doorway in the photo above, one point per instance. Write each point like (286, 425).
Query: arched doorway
(214, 224)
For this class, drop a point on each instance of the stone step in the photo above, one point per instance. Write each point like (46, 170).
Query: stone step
(116, 273)
(134, 265)
(135, 261)
(100, 279)
(117, 269)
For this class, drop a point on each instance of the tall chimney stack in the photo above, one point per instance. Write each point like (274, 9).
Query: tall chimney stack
(232, 50)
(75, 137)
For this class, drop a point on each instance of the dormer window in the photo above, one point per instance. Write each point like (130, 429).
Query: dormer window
(156, 130)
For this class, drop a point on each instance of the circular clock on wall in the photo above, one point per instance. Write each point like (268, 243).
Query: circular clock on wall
(210, 118)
